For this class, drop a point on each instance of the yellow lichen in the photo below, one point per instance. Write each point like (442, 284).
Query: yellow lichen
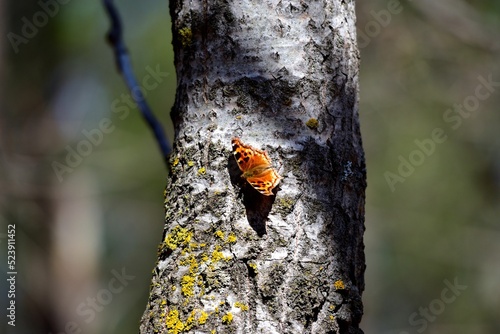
(204, 257)
(220, 234)
(253, 266)
(227, 318)
(194, 245)
(185, 36)
(174, 324)
(190, 163)
(202, 171)
(203, 318)
(191, 262)
(177, 237)
(201, 284)
(190, 321)
(231, 238)
(213, 331)
(217, 256)
(175, 162)
(187, 283)
(241, 306)
(312, 123)
(339, 285)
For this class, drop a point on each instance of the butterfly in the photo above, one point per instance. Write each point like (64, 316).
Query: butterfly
(256, 167)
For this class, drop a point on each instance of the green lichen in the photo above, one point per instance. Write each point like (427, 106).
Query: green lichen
(186, 36)
(286, 202)
(161, 249)
(312, 123)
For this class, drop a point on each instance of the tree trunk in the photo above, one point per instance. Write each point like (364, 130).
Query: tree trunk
(282, 76)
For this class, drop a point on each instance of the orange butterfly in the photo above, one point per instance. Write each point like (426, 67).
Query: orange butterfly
(256, 167)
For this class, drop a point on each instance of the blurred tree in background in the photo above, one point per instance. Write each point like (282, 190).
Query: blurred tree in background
(421, 61)
(79, 225)
(418, 65)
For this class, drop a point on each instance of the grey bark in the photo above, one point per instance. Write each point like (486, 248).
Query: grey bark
(283, 76)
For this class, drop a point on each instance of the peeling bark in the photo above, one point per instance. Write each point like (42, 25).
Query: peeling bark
(283, 76)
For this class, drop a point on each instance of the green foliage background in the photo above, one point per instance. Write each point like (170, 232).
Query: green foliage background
(440, 224)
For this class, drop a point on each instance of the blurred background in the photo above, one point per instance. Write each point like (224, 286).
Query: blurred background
(82, 179)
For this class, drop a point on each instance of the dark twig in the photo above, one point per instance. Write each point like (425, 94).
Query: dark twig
(115, 38)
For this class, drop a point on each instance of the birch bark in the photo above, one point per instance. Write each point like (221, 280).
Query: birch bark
(283, 76)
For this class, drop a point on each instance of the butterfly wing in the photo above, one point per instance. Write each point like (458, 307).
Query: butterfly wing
(256, 167)
(241, 154)
(265, 181)
(248, 157)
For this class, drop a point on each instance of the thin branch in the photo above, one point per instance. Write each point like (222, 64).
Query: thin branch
(115, 38)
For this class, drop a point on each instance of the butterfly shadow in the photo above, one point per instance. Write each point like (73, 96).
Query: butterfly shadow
(257, 206)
